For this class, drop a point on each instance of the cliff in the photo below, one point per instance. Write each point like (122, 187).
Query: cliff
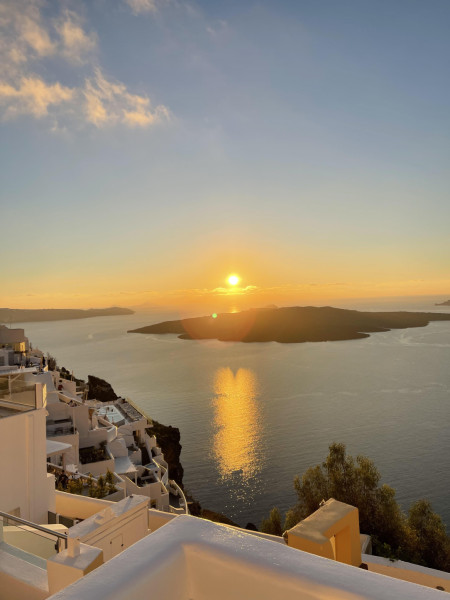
(292, 324)
(101, 390)
(11, 315)
(446, 303)
(168, 439)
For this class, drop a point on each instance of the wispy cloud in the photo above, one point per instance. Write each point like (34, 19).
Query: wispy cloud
(76, 45)
(142, 6)
(28, 38)
(108, 102)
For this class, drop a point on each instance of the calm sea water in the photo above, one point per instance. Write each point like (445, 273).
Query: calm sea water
(252, 416)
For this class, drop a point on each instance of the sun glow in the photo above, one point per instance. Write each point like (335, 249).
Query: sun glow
(233, 279)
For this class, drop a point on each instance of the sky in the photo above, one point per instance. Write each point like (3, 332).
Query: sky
(151, 148)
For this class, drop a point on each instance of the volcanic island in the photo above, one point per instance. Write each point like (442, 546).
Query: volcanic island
(295, 324)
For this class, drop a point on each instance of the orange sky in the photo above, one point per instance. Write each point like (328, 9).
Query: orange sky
(314, 166)
(223, 297)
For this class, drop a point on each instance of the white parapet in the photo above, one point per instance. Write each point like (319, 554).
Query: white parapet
(116, 527)
(190, 558)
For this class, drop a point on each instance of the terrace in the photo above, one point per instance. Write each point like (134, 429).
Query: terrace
(112, 414)
(110, 486)
(128, 410)
(96, 460)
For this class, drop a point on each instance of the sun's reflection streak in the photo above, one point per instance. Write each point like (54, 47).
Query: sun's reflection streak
(237, 420)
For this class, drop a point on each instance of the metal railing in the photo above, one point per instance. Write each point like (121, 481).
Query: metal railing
(57, 534)
(175, 485)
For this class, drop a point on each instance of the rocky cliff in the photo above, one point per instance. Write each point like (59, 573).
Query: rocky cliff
(168, 439)
(101, 390)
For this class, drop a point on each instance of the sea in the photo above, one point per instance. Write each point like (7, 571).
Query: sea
(253, 416)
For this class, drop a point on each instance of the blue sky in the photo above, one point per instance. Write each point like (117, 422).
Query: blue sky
(151, 147)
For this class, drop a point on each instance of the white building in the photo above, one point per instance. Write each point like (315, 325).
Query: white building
(13, 346)
(110, 437)
(27, 489)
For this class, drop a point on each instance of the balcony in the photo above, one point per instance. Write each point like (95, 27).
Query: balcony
(19, 393)
(96, 460)
(60, 427)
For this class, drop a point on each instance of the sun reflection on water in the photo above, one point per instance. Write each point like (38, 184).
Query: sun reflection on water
(237, 421)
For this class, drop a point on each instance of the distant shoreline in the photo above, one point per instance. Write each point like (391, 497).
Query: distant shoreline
(446, 303)
(20, 315)
(292, 325)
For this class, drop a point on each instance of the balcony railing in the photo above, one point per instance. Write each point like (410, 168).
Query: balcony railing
(17, 392)
(61, 538)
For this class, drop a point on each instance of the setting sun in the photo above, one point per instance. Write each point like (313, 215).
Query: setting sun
(233, 279)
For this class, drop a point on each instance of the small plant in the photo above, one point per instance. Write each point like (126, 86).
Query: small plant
(103, 486)
(75, 486)
(91, 486)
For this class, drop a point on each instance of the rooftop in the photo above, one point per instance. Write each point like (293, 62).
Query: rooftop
(190, 558)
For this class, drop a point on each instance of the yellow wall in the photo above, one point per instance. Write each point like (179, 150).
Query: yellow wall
(332, 532)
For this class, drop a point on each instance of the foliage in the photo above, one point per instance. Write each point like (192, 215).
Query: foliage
(91, 454)
(51, 362)
(353, 482)
(272, 524)
(103, 487)
(420, 537)
(429, 542)
(75, 486)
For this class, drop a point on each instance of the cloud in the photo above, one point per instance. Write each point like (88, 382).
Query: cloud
(108, 102)
(142, 6)
(32, 96)
(76, 44)
(28, 39)
(37, 38)
(23, 37)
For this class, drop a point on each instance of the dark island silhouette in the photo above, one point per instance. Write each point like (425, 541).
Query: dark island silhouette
(446, 303)
(292, 324)
(20, 315)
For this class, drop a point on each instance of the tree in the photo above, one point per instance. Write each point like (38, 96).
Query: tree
(419, 538)
(429, 543)
(353, 482)
(110, 487)
(272, 524)
(101, 487)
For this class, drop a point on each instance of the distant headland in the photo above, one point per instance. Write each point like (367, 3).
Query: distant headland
(11, 315)
(292, 324)
(446, 303)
